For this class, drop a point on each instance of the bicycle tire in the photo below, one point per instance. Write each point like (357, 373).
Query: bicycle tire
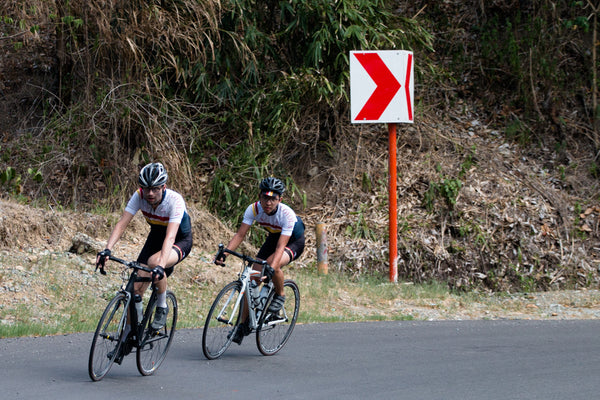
(274, 330)
(154, 345)
(217, 333)
(107, 337)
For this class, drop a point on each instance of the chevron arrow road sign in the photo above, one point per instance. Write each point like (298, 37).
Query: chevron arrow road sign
(381, 86)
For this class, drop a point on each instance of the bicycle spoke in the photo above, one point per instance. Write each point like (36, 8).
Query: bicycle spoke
(154, 345)
(221, 321)
(105, 344)
(274, 330)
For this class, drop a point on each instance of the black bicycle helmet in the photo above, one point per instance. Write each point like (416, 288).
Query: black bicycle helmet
(271, 184)
(152, 175)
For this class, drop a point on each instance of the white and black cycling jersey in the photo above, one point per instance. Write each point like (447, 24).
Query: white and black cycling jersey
(283, 221)
(171, 209)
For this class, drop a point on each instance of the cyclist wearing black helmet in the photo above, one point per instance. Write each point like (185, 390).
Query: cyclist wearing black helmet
(170, 237)
(284, 243)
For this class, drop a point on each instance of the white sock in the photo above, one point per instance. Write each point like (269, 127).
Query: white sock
(162, 300)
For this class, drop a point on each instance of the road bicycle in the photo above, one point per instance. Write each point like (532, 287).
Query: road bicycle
(111, 343)
(225, 316)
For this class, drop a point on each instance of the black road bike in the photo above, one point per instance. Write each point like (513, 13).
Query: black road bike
(111, 342)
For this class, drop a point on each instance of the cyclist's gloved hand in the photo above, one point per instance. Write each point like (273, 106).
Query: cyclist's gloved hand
(101, 260)
(269, 272)
(158, 272)
(220, 258)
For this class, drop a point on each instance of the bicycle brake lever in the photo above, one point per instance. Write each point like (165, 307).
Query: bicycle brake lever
(269, 272)
(102, 271)
(221, 256)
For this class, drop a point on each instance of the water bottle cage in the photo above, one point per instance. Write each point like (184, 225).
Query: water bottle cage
(261, 300)
(254, 293)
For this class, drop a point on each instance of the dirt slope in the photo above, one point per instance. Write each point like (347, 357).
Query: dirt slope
(30, 237)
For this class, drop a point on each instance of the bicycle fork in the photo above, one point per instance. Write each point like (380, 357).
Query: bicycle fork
(235, 308)
(122, 334)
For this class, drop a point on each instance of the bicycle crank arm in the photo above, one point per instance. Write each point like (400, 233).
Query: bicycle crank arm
(276, 321)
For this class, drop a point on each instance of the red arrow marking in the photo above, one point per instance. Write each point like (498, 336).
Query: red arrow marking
(406, 87)
(387, 86)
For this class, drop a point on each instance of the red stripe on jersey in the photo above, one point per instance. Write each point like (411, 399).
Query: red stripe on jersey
(155, 217)
(269, 225)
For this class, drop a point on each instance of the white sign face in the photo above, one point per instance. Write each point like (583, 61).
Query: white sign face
(381, 86)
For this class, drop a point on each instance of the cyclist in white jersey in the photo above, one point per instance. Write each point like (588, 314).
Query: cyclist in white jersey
(284, 243)
(170, 237)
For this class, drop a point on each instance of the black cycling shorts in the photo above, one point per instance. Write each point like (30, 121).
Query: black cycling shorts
(154, 242)
(294, 248)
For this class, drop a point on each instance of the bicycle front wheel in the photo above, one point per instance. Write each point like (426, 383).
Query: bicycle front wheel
(106, 341)
(274, 330)
(154, 345)
(221, 322)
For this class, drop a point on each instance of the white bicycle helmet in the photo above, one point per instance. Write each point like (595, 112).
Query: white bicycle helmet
(152, 175)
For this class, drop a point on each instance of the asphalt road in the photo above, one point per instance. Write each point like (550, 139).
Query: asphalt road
(446, 360)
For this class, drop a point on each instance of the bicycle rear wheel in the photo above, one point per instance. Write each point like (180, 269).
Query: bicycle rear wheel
(154, 345)
(274, 330)
(106, 341)
(221, 322)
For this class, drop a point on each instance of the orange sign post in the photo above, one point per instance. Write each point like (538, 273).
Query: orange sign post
(377, 95)
(393, 206)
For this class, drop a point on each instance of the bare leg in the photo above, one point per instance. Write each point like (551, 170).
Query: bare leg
(278, 275)
(161, 285)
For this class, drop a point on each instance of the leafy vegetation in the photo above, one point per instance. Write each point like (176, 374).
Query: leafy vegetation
(225, 92)
(279, 79)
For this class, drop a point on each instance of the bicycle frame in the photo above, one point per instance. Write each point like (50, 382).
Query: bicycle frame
(131, 314)
(128, 290)
(245, 278)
